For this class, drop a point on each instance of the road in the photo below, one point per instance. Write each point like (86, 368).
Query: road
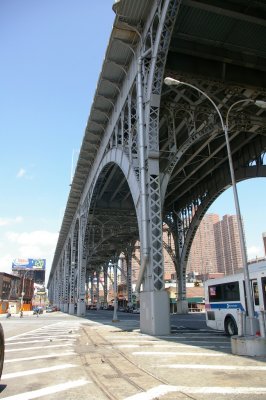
(57, 356)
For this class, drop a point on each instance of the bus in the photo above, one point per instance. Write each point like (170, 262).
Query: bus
(225, 297)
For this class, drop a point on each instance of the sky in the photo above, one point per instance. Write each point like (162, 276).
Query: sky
(51, 55)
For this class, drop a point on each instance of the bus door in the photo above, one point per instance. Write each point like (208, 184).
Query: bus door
(263, 287)
(255, 295)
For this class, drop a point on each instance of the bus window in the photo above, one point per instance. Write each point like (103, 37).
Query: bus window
(215, 293)
(228, 291)
(263, 285)
(231, 291)
(256, 293)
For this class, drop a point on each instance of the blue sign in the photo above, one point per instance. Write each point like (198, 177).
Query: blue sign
(38, 264)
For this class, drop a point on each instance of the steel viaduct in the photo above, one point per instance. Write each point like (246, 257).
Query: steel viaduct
(152, 153)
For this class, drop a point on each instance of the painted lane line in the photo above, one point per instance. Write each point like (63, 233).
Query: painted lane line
(39, 357)
(37, 347)
(153, 393)
(22, 334)
(222, 390)
(36, 371)
(48, 390)
(166, 346)
(161, 390)
(37, 330)
(176, 354)
(202, 344)
(139, 337)
(26, 335)
(48, 337)
(216, 367)
(61, 331)
(189, 337)
(38, 341)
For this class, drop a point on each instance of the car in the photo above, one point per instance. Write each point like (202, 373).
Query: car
(2, 349)
(51, 309)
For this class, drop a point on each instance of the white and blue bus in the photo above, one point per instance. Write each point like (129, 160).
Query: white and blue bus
(224, 297)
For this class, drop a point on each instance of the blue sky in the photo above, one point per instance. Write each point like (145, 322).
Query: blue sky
(51, 57)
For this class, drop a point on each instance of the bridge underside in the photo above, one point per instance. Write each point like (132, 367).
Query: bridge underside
(218, 46)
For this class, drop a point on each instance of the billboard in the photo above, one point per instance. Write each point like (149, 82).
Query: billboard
(38, 264)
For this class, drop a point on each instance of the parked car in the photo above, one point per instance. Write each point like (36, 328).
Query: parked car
(51, 309)
(2, 349)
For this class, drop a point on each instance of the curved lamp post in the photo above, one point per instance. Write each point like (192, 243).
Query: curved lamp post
(262, 104)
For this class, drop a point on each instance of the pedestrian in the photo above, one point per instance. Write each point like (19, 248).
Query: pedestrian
(21, 313)
(8, 315)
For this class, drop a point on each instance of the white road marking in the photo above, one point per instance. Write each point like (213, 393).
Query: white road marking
(43, 340)
(48, 390)
(127, 337)
(167, 346)
(217, 367)
(174, 354)
(39, 357)
(27, 335)
(36, 371)
(222, 390)
(38, 329)
(161, 390)
(189, 337)
(135, 341)
(37, 347)
(48, 337)
(153, 393)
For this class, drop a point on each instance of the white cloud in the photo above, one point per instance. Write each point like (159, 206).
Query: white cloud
(35, 238)
(10, 221)
(35, 244)
(21, 173)
(255, 251)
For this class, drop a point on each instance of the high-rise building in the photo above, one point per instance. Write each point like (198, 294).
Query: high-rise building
(264, 241)
(215, 249)
(227, 243)
(202, 258)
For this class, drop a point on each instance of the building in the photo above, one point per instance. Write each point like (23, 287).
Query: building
(12, 289)
(203, 253)
(264, 241)
(227, 243)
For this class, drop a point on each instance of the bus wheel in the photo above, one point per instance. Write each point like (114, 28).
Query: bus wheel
(230, 326)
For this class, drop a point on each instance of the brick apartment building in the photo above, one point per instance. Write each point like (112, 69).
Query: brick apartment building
(215, 249)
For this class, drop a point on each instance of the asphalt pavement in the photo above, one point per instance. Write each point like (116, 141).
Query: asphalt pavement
(95, 358)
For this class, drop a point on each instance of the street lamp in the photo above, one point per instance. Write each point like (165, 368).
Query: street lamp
(262, 104)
